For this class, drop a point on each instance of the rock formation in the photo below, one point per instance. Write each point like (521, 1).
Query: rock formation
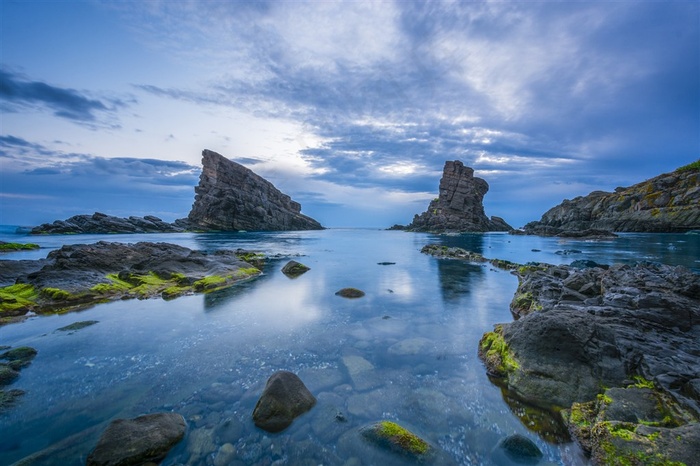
(666, 203)
(284, 398)
(459, 207)
(99, 223)
(231, 197)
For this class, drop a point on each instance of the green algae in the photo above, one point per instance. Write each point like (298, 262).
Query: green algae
(18, 297)
(496, 354)
(398, 438)
(8, 247)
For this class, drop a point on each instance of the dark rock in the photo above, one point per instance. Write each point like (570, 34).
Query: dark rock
(231, 197)
(19, 357)
(389, 435)
(350, 293)
(666, 203)
(518, 449)
(77, 326)
(284, 398)
(99, 223)
(397, 227)
(138, 441)
(76, 276)
(583, 329)
(386, 263)
(459, 207)
(587, 264)
(7, 374)
(293, 269)
(8, 398)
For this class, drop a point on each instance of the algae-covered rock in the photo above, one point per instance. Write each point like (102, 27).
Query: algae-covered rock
(392, 436)
(284, 398)
(293, 269)
(517, 449)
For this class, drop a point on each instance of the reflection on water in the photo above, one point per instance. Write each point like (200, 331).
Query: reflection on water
(406, 352)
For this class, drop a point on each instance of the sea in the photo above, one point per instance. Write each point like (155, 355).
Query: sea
(405, 352)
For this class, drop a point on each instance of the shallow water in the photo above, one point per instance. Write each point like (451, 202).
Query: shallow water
(406, 351)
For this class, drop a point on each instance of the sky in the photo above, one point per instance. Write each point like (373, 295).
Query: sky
(352, 108)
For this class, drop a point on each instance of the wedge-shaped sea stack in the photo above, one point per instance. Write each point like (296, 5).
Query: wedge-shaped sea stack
(231, 197)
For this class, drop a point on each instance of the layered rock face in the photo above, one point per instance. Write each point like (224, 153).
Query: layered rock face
(459, 206)
(232, 197)
(666, 203)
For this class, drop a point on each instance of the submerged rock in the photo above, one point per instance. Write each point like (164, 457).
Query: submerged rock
(350, 293)
(231, 197)
(284, 398)
(393, 437)
(459, 206)
(137, 441)
(517, 449)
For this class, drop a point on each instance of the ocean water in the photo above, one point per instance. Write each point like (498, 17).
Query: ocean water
(406, 352)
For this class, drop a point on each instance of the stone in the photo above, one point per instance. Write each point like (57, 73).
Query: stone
(99, 223)
(139, 440)
(459, 206)
(666, 203)
(350, 293)
(230, 197)
(392, 436)
(284, 398)
(293, 269)
(518, 449)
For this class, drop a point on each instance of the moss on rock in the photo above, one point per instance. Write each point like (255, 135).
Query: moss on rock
(396, 438)
(496, 354)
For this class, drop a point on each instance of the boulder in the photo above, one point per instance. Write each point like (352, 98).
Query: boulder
(146, 438)
(517, 449)
(459, 206)
(284, 398)
(230, 197)
(395, 438)
(293, 269)
(666, 203)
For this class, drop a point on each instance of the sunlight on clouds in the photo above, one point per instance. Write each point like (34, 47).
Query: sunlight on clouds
(400, 169)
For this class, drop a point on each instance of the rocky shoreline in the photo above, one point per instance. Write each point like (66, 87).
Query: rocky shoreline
(616, 349)
(79, 276)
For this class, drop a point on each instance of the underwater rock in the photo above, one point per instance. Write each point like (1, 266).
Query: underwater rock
(284, 398)
(230, 197)
(389, 435)
(350, 293)
(77, 326)
(139, 440)
(293, 269)
(518, 449)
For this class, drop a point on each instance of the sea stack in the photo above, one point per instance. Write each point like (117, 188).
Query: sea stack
(230, 197)
(459, 207)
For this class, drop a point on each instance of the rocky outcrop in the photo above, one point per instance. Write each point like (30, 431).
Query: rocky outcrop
(99, 223)
(144, 439)
(231, 197)
(284, 398)
(77, 276)
(459, 207)
(666, 203)
(579, 331)
(11, 362)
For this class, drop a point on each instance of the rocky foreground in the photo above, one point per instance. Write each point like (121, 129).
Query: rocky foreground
(666, 203)
(617, 348)
(78, 276)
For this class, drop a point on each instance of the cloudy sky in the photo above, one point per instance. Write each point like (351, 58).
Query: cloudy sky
(352, 108)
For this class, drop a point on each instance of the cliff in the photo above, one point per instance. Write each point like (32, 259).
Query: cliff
(459, 206)
(231, 197)
(666, 203)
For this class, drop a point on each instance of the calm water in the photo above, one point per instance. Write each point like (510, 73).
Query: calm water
(406, 351)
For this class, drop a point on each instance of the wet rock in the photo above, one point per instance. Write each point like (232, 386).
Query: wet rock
(19, 357)
(459, 207)
(284, 398)
(231, 197)
(389, 435)
(139, 440)
(293, 269)
(350, 293)
(517, 449)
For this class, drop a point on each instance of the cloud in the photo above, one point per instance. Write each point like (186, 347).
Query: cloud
(21, 93)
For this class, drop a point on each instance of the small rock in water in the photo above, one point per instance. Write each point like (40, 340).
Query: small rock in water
(516, 449)
(566, 252)
(284, 398)
(350, 293)
(386, 263)
(294, 269)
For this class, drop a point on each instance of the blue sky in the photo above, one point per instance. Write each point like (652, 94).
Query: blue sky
(351, 108)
